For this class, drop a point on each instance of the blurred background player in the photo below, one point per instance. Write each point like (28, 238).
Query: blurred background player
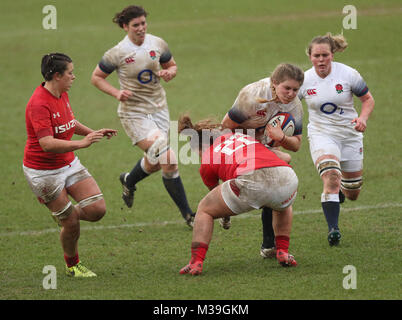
(52, 170)
(140, 60)
(335, 128)
(255, 105)
(253, 177)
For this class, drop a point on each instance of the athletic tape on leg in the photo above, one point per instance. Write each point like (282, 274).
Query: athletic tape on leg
(63, 213)
(328, 164)
(352, 183)
(86, 202)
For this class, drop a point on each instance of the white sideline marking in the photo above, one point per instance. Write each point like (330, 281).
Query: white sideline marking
(162, 223)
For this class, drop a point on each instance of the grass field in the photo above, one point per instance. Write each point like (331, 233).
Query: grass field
(219, 46)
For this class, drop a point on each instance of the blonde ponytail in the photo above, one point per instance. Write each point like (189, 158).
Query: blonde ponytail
(337, 43)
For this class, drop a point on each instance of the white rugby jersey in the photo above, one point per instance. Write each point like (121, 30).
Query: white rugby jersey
(330, 100)
(137, 67)
(251, 114)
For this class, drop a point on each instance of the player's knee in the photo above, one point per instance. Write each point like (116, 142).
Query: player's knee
(352, 196)
(329, 167)
(330, 173)
(170, 171)
(351, 187)
(94, 207)
(203, 206)
(286, 157)
(67, 216)
(158, 151)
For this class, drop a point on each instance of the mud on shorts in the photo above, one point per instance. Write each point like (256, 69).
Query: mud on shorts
(48, 184)
(139, 126)
(274, 187)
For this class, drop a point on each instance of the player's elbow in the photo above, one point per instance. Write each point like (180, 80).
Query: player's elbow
(94, 80)
(296, 148)
(45, 144)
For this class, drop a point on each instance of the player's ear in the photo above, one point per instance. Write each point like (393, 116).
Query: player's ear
(57, 76)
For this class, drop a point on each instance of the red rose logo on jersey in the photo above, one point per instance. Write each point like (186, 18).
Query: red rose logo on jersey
(152, 54)
(339, 88)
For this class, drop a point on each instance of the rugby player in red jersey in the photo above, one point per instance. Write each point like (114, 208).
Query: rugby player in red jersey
(50, 166)
(253, 177)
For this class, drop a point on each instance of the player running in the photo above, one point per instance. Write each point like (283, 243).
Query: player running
(335, 130)
(52, 170)
(253, 177)
(140, 60)
(255, 105)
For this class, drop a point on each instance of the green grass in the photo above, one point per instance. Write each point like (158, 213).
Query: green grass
(219, 46)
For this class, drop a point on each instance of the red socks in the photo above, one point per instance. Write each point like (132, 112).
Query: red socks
(71, 261)
(282, 243)
(198, 251)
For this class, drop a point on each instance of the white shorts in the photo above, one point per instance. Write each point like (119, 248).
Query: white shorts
(139, 126)
(48, 184)
(348, 151)
(274, 187)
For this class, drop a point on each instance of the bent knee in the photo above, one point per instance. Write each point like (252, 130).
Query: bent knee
(351, 187)
(170, 171)
(151, 168)
(332, 177)
(96, 211)
(94, 207)
(351, 195)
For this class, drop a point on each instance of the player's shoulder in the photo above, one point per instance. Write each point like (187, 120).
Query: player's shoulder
(342, 69)
(152, 40)
(255, 88)
(117, 49)
(40, 96)
(295, 107)
(309, 74)
(153, 37)
(297, 103)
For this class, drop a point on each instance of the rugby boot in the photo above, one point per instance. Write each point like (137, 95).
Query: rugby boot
(334, 236)
(128, 193)
(285, 259)
(225, 223)
(79, 271)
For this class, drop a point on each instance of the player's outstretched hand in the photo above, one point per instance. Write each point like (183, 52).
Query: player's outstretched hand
(108, 133)
(90, 138)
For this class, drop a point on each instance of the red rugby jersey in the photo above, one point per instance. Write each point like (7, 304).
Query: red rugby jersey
(235, 154)
(46, 115)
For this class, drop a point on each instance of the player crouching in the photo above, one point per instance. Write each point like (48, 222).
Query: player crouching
(253, 177)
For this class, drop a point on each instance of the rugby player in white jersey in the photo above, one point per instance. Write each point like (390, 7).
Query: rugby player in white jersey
(335, 129)
(255, 105)
(140, 60)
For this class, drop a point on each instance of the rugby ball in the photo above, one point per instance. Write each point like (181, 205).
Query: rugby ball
(287, 123)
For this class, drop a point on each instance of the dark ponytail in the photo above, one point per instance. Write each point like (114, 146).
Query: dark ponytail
(52, 63)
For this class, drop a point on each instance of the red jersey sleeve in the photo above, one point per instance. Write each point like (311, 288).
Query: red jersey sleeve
(40, 117)
(209, 178)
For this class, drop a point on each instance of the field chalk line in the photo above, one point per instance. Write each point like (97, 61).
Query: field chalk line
(161, 223)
